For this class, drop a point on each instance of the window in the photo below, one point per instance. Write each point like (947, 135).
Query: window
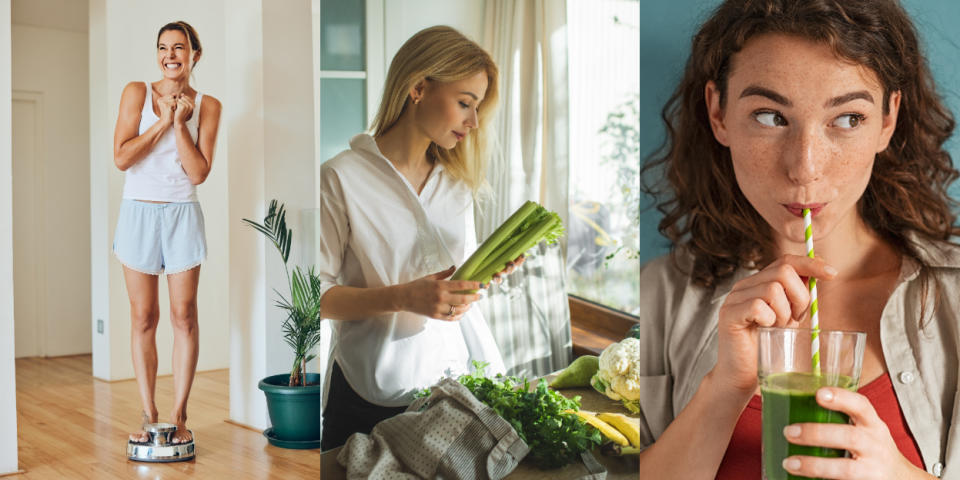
(603, 230)
(340, 75)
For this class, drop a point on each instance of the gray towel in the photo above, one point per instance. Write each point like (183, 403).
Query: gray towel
(455, 436)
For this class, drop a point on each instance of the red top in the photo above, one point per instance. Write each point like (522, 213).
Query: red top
(742, 459)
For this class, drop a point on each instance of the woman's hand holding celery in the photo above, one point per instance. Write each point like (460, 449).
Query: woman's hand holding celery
(498, 256)
(434, 297)
(503, 250)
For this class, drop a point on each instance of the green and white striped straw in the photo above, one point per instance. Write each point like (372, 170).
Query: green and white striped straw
(814, 308)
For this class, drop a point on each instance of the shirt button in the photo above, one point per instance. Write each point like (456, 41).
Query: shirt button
(937, 469)
(906, 377)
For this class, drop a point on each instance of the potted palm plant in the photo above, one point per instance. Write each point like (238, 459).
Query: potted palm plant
(294, 399)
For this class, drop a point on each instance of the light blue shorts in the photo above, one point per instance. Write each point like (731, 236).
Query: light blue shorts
(157, 238)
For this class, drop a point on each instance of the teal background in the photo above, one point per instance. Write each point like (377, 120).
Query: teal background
(666, 28)
(342, 115)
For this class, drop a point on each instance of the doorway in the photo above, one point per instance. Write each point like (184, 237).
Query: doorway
(30, 322)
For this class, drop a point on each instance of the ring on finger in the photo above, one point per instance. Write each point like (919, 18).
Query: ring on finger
(453, 310)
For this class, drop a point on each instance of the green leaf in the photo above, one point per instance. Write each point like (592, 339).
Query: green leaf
(301, 327)
(274, 227)
(555, 438)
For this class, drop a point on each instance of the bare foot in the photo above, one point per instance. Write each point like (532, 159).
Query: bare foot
(181, 435)
(142, 436)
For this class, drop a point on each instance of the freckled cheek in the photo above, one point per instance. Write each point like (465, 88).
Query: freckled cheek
(754, 162)
(852, 165)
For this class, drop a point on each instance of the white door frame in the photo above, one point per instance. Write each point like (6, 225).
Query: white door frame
(36, 211)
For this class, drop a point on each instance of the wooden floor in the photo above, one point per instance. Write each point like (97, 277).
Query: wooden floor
(73, 426)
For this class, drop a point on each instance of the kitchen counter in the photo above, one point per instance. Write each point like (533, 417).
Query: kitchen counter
(617, 467)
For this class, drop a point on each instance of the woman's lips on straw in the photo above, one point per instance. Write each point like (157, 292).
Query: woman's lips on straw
(797, 208)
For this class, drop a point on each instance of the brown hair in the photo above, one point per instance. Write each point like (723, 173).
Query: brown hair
(188, 31)
(704, 210)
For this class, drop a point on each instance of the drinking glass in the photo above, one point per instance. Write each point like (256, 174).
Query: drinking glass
(788, 385)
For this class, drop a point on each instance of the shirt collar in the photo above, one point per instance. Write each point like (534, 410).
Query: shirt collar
(935, 254)
(930, 253)
(365, 145)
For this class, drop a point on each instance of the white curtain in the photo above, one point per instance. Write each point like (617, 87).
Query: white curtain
(529, 315)
(529, 161)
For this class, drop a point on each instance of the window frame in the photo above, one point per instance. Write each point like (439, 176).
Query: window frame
(594, 326)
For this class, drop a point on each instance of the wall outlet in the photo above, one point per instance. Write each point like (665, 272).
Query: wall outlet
(100, 325)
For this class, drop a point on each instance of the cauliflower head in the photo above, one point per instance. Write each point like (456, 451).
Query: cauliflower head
(619, 374)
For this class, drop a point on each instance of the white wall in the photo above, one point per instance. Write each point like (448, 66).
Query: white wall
(101, 148)
(404, 18)
(68, 15)
(122, 42)
(272, 156)
(243, 123)
(46, 61)
(8, 398)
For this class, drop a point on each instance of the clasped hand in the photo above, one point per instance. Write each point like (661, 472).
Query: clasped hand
(175, 108)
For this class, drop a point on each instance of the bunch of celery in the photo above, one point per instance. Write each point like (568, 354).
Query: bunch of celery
(530, 224)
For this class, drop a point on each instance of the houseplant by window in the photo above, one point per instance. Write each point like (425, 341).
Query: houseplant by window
(294, 399)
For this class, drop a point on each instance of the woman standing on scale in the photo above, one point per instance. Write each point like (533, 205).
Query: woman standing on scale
(164, 141)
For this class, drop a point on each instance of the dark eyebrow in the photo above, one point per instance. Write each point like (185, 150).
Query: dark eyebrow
(766, 92)
(471, 94)
(849, 97)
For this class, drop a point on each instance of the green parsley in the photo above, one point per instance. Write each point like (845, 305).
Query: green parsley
(555, 438)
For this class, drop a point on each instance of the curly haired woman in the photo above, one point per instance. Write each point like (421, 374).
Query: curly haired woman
(788, 105)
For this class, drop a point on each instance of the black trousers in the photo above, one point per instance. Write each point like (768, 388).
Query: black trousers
(347, 413)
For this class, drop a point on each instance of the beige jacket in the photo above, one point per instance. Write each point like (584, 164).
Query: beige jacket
(679, 347)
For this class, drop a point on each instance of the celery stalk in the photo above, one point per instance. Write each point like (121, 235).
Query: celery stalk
(511, 243)
(508, 244)
(548, 228)
(503, 232)
(529, 225)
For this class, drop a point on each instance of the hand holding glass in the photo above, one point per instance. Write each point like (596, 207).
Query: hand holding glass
(789, 386)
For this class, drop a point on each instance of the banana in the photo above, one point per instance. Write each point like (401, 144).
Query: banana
(613, 449)
(629, 427)
(606, 429)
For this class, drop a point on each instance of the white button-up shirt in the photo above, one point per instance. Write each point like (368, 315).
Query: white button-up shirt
(375, 231)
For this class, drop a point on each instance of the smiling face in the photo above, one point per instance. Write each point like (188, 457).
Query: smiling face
(803, 127)
(174, 55)
(447, 111)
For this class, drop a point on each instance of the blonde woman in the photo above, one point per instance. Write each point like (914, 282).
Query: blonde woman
(164, 141)
(396, 218)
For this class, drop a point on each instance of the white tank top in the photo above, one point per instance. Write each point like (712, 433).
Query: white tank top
(159, 176)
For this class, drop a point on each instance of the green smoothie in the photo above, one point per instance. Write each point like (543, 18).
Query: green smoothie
(790, 398)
